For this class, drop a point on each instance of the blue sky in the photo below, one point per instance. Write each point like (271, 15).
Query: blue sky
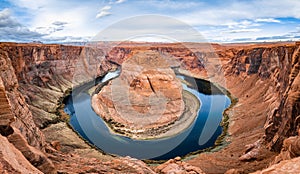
(151, 20)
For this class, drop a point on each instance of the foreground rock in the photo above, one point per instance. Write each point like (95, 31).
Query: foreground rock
(17, 124)
(146, 97)
(76, 164)
(176, 166)
(12, 160)
(287, 166)
(70, 142)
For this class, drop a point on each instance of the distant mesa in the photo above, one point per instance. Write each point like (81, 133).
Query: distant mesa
(37, 42)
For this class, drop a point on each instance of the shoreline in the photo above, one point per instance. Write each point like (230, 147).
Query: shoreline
(221, 141)
(184, 122)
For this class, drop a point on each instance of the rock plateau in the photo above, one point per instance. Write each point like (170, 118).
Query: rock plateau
(144, 98)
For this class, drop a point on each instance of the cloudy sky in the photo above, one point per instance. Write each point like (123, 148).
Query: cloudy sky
(54, 21)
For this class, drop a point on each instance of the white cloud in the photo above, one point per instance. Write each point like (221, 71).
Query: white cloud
(271, 20)
(238, 10)
(6, 19)
(150, 27)
(105, 8)
(116, 1)
(244, 30)
(78, 21)
(55, 27)
(241, 24)
(65, 39)
(58, 19)
(102, 14)
(120, 1)
(173, 5)
(12, 30)
(228, 21)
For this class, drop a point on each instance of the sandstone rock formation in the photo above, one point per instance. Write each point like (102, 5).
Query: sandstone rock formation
(34, 78)
(287, 166)
(78, 164)
(41, 75)
(17, 122)
(177, 166)
(12, 160)
(290, 149)
(277, 67)
(261, 76)
(145, 97)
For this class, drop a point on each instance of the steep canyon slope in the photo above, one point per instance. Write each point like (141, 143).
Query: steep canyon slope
(264, 78)
(35, 78)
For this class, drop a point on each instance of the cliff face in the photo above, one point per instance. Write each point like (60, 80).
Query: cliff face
(264, 79)
(35, 78)
(18, 108)
(45, 73)
(17, 122)
(284, 121)
(278, 67)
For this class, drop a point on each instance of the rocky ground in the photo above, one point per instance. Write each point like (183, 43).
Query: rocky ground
(263, 124)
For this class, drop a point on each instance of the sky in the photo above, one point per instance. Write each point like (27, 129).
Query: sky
(57, 21)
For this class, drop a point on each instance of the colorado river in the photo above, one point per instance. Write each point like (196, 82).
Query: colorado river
(201, 134)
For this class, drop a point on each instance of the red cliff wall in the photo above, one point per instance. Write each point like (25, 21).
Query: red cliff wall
(278, 67)
(34, 79)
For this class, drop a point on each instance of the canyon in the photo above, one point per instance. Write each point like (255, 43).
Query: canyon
(146, 99)
(262, 124)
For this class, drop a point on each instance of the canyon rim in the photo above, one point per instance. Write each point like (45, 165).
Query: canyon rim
(30, 124)
(164, 87)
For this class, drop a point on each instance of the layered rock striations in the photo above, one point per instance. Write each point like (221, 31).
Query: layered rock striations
(264, 78)
(34, 78)
(277, 67)
(17, 123)
(145, 98)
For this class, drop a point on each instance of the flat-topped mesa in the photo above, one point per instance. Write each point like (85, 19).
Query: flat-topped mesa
(145, 98)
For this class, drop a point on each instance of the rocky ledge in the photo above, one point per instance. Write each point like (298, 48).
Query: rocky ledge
(146, 100)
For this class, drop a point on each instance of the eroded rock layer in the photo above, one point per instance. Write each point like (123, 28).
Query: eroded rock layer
(146, 96)
(36, 77)
(262, 77)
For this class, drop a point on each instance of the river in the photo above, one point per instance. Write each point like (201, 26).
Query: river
(200, 135)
